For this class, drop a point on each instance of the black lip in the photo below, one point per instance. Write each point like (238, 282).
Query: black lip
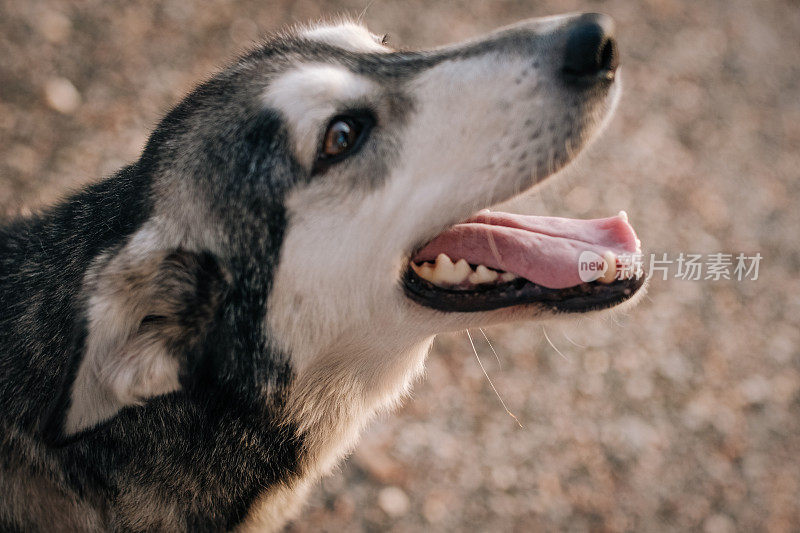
(582, 298)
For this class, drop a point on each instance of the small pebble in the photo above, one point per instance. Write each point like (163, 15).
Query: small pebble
(393, 501)
(62, 95)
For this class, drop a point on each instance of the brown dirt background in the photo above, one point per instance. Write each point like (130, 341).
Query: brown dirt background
(681, 414)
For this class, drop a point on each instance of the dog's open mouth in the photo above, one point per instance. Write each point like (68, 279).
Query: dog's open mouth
(495, 260)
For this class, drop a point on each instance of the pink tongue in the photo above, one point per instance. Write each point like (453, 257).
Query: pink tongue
(543, 250)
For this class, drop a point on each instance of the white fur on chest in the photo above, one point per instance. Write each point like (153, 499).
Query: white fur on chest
(331, 402)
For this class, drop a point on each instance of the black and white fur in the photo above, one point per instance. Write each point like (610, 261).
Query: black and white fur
(191, 343)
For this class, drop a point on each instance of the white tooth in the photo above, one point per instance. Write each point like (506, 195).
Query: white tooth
(425, 271)
(623, 215)
(444, 271)
(611, 271)
(462, 270)
(508, 276)
(482, 275)
(448, 273)
(443, 259)
(486, 274)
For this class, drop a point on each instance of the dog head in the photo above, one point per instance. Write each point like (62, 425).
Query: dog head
(402, 147)
(325, 172)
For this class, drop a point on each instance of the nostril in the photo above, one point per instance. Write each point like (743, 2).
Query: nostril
(590, 51)
(608, 56)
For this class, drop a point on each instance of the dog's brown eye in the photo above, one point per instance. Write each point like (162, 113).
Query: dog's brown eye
(344, 136)
(340, 137)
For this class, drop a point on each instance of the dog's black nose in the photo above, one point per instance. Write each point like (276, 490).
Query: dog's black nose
(591, 52)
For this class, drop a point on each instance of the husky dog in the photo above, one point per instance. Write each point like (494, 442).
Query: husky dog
(191, 343)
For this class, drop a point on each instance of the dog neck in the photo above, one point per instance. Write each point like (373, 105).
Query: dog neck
(332, 399)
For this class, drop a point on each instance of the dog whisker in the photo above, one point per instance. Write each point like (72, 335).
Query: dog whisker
(499, 364)
(512, 415)
(572, 341)
(364, 11)
(553, 345)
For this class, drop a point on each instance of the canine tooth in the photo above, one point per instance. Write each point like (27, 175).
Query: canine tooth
(508, 276)
(623, 215)
(611, 270)
(482, 275)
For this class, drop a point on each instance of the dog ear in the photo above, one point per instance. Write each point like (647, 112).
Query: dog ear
(144, 317)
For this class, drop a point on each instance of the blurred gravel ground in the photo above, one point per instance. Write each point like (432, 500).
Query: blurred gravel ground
(682, 413)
